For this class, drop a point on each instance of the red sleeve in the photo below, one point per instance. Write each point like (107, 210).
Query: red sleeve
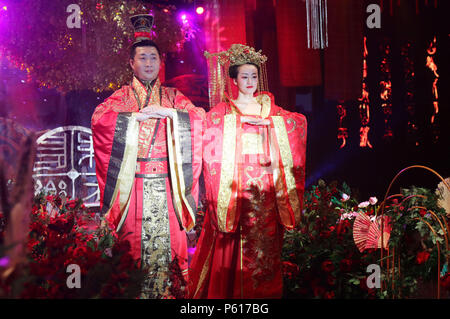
(197, 117)
(103, 127)
(296, 127)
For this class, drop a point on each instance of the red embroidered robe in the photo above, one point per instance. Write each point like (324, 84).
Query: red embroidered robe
(254, 180)
(148, 177)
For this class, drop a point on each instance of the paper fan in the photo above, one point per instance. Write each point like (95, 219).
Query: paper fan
(367, 233)
(361, 228)
(374, 235)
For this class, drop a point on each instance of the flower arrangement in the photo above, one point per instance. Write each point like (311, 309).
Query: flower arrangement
(63, 233)
(321, 259)
(418, 247)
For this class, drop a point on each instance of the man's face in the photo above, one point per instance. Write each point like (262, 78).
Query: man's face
(146, 63)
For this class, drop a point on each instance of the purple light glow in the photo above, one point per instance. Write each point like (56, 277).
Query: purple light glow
(4, 262)
(183, 16)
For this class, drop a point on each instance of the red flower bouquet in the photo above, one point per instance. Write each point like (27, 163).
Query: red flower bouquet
(63, 233)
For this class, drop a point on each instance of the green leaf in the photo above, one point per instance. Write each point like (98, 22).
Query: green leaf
(354, 281)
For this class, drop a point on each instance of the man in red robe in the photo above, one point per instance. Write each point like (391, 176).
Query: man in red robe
(147, 143)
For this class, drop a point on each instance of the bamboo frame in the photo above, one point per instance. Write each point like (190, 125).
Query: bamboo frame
(446, 229)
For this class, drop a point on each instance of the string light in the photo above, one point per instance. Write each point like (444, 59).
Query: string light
(91, 57)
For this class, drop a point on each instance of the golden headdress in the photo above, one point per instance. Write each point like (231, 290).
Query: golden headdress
(218, 64)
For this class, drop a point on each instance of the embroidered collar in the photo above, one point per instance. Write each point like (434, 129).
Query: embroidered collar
(146, 92)
(262, 99)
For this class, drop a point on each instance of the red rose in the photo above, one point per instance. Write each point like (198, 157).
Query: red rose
(32, 290)
(318, 291)
(121, 247)
(327, 266)
(110, 291)
(126, 262)
(445, 281)
(422, 257)
(123, 276)
(71, 204)
(289, 269)
(79, 252)
(329, 295)
(331, 280)
(345, 265)
(342, 227)
(327, 233)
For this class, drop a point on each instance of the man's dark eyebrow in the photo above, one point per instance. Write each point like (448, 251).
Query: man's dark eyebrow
(144, 54)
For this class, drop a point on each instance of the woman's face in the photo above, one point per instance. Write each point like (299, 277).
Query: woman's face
(247, 79)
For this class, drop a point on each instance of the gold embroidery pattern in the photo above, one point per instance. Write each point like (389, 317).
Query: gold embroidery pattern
(252, 143)
(127, 104)
(212, 170)
(289, 121)
(265, 102)
(159, 148)
(227, 170)
(156, 249)
(205, 269)
(147, 127)
(127, 169)
(260, 234)
(288, 164)
(254, 181)
(146, 132)
(214, 118)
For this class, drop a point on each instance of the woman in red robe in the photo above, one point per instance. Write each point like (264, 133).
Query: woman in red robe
(253, 165)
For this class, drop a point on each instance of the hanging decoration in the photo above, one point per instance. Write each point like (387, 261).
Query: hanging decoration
(317, 24)
(342, 130)
(417, 5)
(386, 89)
(431, 51)
(408, 71)
(364, 105)
(92, 54)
